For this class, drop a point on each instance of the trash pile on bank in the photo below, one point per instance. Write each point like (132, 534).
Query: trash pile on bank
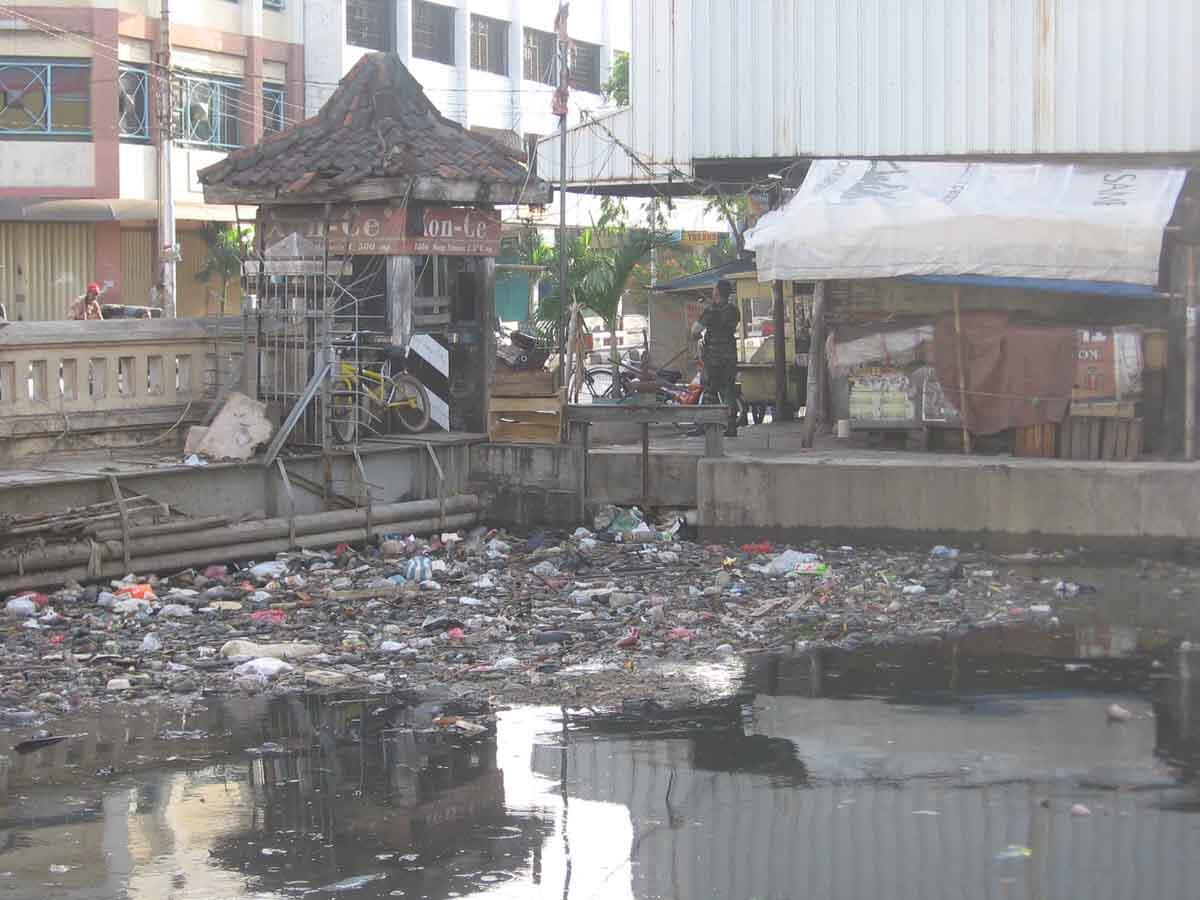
(591, 617)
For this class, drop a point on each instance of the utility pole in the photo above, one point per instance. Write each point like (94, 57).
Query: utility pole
(168, 252)
(560, 109)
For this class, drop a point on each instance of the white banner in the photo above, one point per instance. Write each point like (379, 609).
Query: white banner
(864, 219)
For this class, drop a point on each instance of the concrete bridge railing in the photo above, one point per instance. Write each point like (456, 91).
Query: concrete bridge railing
(67, 385)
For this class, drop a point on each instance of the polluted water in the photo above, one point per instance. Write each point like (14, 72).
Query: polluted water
(1042, 759)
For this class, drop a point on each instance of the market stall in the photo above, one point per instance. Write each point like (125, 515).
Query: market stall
(965, 301)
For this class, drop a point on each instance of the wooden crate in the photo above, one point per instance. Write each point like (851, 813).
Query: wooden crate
(1092, 437)
(1036, 441)
(526, 420)
(507, 383)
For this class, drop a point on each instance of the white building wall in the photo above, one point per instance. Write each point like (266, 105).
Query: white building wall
(466, 95)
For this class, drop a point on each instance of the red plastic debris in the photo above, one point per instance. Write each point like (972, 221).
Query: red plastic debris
(631, 639)
(341, 549)
(679, 634)
(269, 617)
(757, 549)
(137, 592)
(456, 634)
(57, 638)
(216, 572)
(40, 599)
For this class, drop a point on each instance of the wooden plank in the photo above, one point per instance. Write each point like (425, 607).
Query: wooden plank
(1154, 346)
(1108, 439)
(1094, 431)
(1106, 409)
(604, 414)
(524, 433)
(525, 405)
(523, 384)
(1136, 429)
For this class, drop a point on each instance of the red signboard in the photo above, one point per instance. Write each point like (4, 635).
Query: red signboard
(455, 231)
(379, 230)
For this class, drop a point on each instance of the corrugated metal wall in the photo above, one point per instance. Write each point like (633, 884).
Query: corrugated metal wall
(137, 266)
(784, 78)
(45, 267)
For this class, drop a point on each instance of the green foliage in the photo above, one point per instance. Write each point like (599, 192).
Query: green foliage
(735, 209)
(617, 86)
(225, 247)
(600, 265)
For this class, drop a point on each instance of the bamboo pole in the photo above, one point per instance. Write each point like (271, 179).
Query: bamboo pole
(962, 373)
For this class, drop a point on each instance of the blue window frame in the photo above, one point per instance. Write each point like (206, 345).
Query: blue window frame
(208, 111)
(40, 97)
(133, 83)
(274, 116)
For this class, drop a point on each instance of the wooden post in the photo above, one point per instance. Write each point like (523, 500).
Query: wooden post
(962, 374)
(815, 405)
(645, 466)
(569, 356)
(487, 317)
(783, 409)
(1189, 399)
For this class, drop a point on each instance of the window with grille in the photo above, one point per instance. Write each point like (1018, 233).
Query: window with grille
(585, 67)
(433, 32)
(371, 24)
(208, 111)
(489, 45)
(45, 98)
(273, 100)
(539, 63)
(133, 85)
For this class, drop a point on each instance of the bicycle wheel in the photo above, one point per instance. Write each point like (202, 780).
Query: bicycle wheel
(344, 411)
(598, 383)
(409, 400)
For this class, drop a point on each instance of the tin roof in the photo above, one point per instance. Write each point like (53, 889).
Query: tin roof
(377, 137)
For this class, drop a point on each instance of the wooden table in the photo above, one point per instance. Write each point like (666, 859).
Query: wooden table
(713, 419)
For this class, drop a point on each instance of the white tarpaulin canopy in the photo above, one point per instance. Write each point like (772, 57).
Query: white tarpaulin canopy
(872, 219)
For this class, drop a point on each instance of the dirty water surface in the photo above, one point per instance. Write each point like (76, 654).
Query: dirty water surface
(1050, 760)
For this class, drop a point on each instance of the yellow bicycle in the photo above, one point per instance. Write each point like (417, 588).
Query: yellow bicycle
(364, 395)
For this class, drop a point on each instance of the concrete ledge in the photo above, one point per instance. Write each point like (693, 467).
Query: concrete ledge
(1017, 502)
(538, 484)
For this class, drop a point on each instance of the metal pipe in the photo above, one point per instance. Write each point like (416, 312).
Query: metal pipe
(54, 557)
(1189, 393)
(233, 552)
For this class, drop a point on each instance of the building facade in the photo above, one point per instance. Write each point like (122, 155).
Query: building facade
(484, 63)
(79, 129)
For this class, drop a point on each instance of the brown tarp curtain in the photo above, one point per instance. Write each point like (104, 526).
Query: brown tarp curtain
(1017, 374)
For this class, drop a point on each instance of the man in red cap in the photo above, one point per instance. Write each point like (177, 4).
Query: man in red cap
(87, 307)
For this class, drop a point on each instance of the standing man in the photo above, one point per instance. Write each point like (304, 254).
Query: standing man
(87, 307)
(719, 323)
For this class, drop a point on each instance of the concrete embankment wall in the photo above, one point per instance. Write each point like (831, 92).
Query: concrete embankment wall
(538, 484)
(1019, 503)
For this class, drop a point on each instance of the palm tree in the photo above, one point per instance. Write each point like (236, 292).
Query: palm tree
(598, 273)
(225, 248)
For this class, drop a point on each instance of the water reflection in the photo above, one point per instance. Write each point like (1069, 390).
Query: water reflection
(943, 771)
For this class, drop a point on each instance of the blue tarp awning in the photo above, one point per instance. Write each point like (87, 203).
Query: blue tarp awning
(702, 281)
(1044, 285)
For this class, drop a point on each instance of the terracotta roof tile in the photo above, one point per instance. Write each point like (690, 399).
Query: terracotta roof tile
(377, 124)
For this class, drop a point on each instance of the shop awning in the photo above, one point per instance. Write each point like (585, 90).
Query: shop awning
(880, 219)
(703, 281)
(89, 209)
(1045, 285)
